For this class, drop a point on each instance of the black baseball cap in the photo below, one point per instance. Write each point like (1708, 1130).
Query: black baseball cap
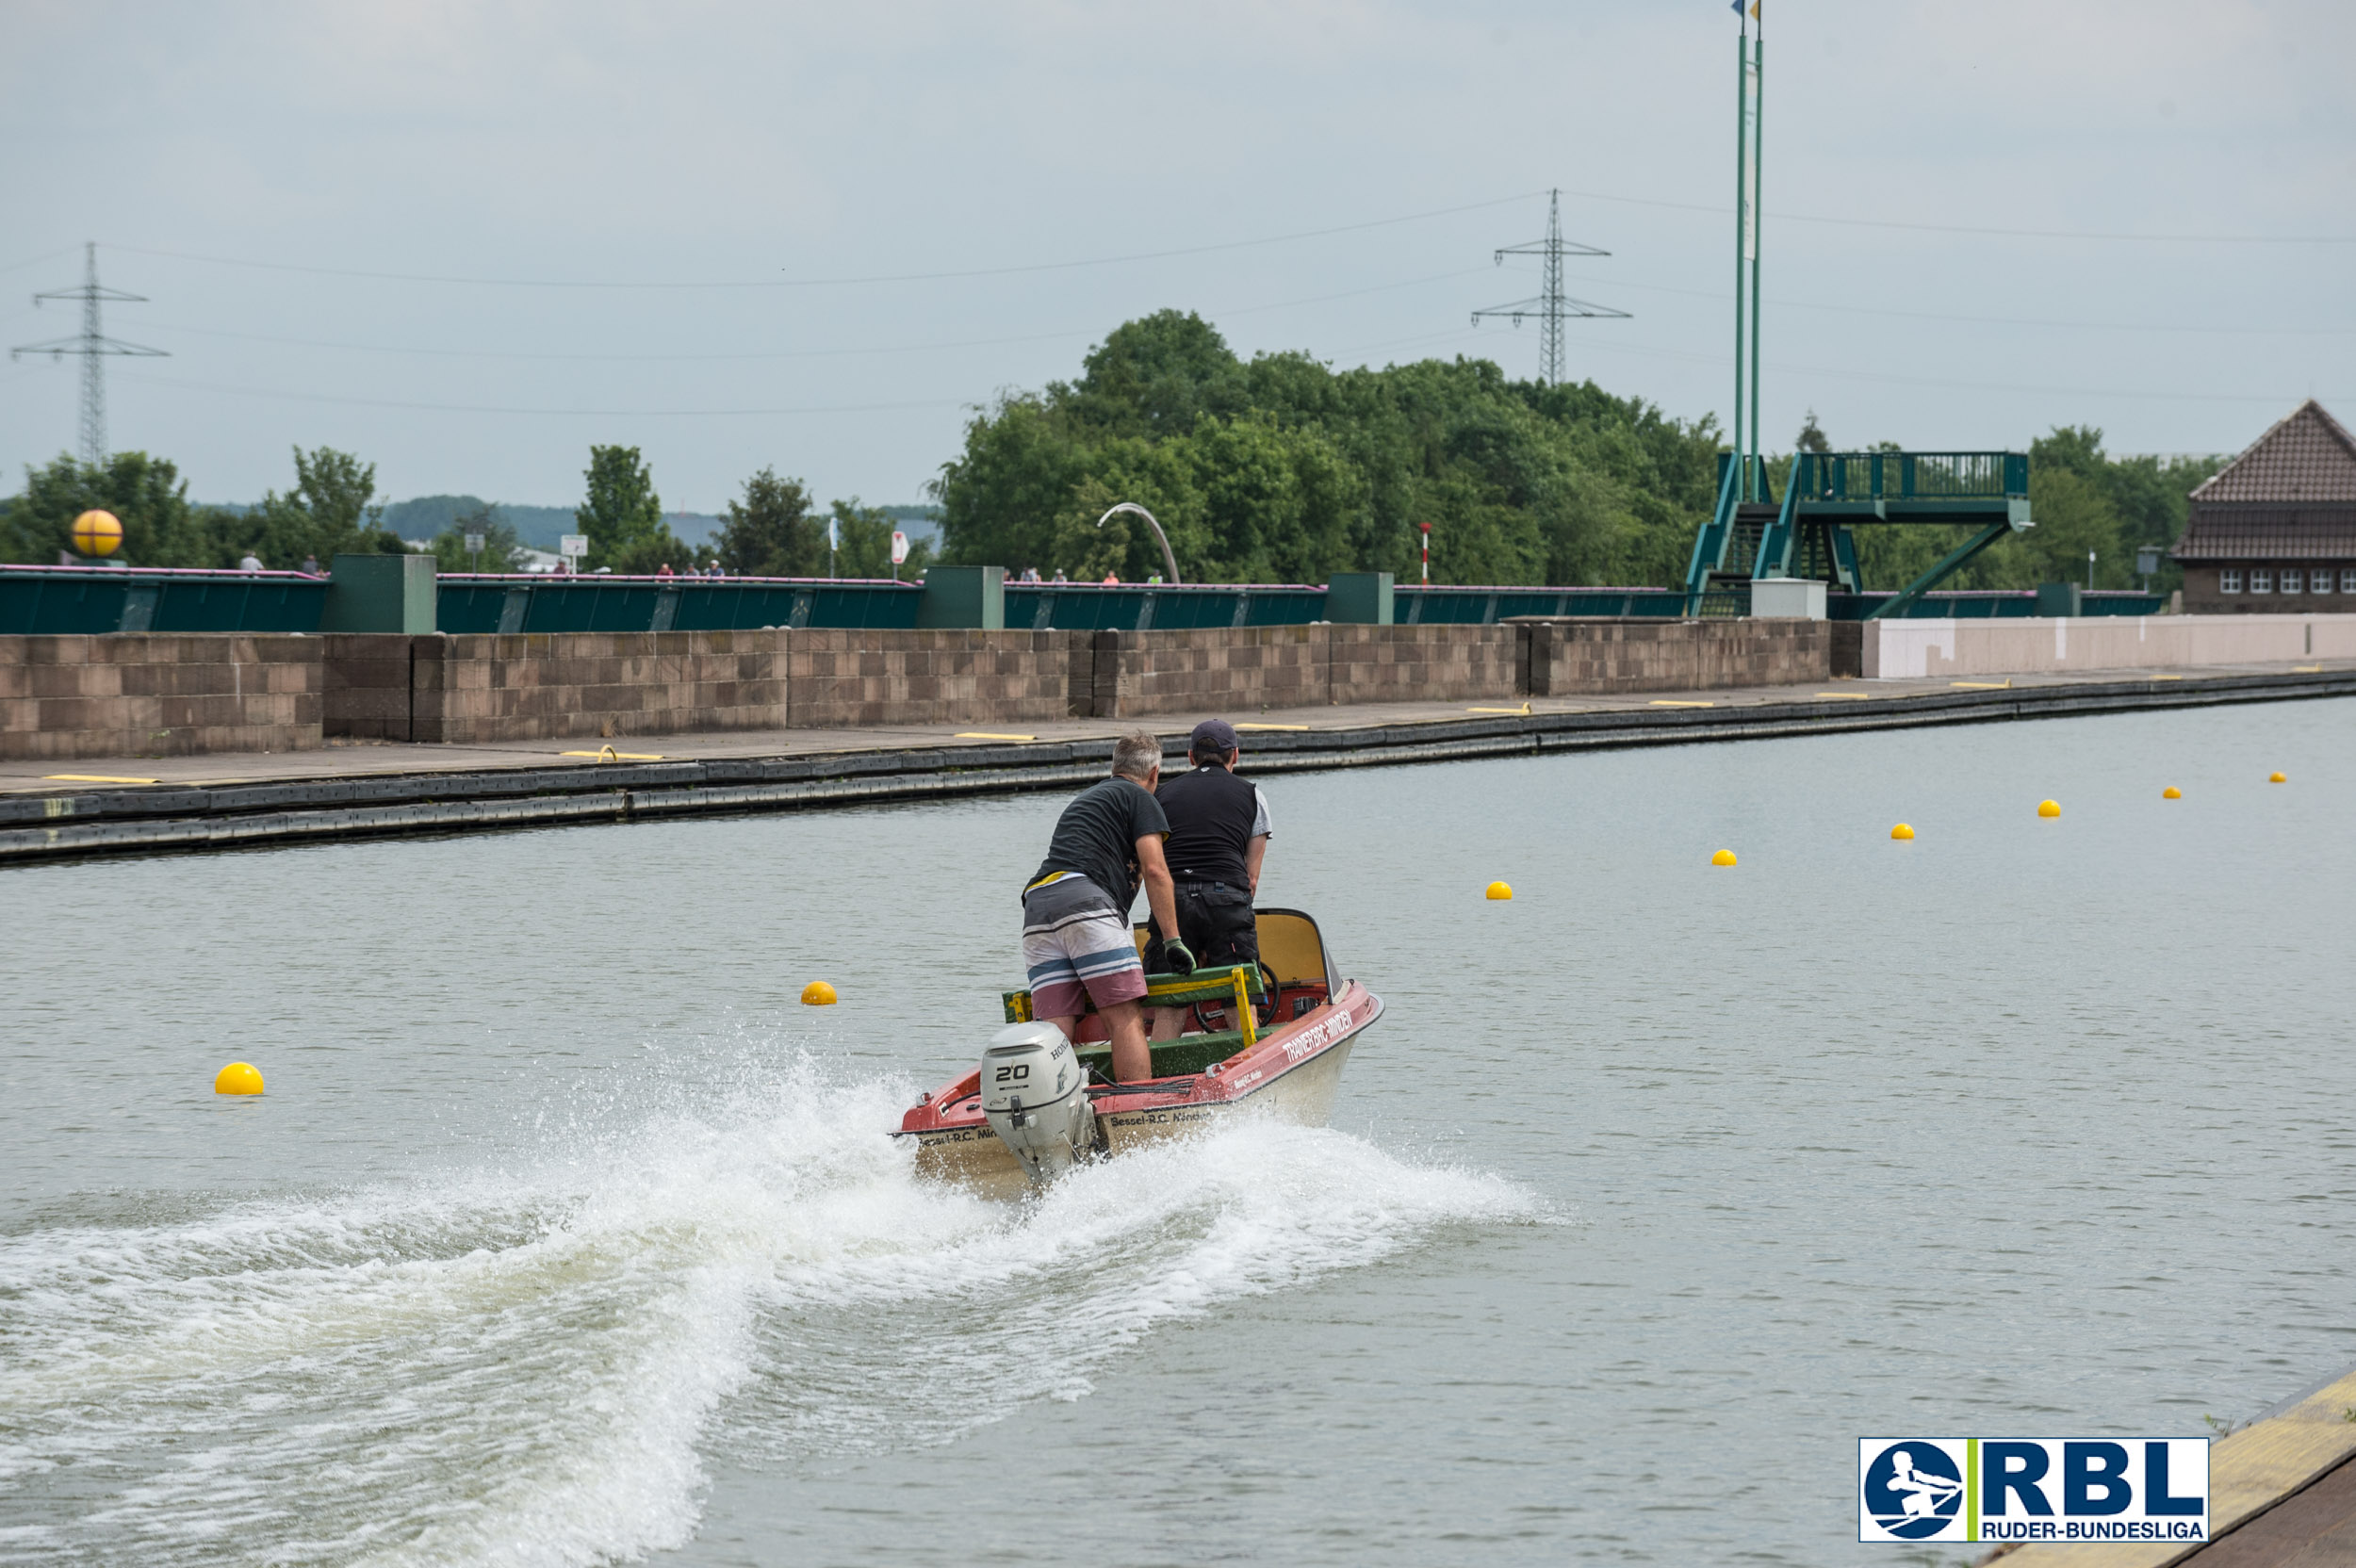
(1212, 735)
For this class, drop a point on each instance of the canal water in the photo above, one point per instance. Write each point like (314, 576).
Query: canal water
(563, 1235)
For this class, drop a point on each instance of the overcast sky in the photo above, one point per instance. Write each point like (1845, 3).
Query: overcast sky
(466, 240)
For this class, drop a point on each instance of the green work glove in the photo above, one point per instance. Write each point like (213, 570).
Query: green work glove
(1177, 959)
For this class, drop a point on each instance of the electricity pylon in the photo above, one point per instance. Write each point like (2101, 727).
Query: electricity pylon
(1553, 306)
(93, 346)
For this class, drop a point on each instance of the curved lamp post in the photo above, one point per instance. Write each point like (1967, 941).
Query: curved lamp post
(1168, 560)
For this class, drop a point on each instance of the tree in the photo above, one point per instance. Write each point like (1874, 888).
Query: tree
(159, 526)
(502, 550)
(865, 550)
(770, 532)
(1285, 469)
(332, 509)
(1811, 437)
(622, 514)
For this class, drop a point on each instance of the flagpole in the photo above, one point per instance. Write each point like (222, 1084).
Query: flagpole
(1742, 196)
(1759, 222)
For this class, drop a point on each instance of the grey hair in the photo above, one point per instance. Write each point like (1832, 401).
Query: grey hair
(1135, 755)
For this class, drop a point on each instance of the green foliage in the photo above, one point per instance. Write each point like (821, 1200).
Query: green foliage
(502, 550)
(159, 526)
(865, 548)
(331, 509)
(1282, 469)
(771, 532)
(622, 514)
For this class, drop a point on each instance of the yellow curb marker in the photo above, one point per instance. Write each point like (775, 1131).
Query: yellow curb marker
(986, 735)
(1300, 727)
(92, 778)
(1849, 696)
(1665, 702)
(607, 754)
(1523, 711)
(1983, 685)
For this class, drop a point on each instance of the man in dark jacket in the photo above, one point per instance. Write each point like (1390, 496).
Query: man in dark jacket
(1218, 833)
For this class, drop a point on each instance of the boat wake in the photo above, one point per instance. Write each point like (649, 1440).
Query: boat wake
(527, 1366)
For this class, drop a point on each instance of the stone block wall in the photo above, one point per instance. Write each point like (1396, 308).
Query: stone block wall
(532, 686)
(848, 678)
(170, 694)
(1577, 657)
(1243, 669)
(1425, 664)
(369, 679)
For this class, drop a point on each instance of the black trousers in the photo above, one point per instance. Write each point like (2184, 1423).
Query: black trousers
(1215, 921)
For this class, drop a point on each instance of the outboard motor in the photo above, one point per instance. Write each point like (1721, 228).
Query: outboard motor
(1035, 1095)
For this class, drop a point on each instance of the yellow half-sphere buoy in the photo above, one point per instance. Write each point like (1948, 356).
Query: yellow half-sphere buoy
(1724, 857)
(1901, 831)
(238, 1078)
(2048, 808)
(97, 533)
(2278, 778)
(1500, 891)
(817, 994)
(2171, 792)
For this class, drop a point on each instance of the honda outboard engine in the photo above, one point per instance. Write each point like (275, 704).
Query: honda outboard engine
(1035, 1094)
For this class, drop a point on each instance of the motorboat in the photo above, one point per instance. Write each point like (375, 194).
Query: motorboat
(1270, 1037)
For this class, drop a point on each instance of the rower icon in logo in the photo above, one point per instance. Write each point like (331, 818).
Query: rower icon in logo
(1913, 1490)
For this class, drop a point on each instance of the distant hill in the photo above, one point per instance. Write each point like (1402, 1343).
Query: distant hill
(539, 527)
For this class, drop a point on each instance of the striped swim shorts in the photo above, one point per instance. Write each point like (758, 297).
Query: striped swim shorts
(1076, 944)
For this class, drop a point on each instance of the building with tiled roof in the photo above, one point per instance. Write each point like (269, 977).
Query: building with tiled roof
(2275, 529)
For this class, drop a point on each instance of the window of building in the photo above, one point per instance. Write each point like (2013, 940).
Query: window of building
(2348, 580)
(2319, 581)
(2261, 580)
(2293, 579)
(2228, 581)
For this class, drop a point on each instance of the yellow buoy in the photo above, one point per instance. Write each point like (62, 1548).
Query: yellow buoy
(817, 994)
(97, 533)
(2048, 808)
(2171, 792)
(2276, 778)
(238, 1078)
(1500, 891)
(1901, 831)
(1724, 857)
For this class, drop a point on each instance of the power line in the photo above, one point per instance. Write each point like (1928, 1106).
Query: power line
(1551, 306)
(566, 413)
(764, 355)
(1999, 320)
(93, 346)
(1977, 229)
(839, 282)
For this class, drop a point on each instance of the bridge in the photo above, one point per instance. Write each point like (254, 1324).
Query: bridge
(1751, 536)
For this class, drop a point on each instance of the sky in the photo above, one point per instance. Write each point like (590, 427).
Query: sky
(468, 240)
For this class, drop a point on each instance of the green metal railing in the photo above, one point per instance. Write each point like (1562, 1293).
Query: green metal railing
(94, 600)
(470, 602)
(1423, 606)
(1158, 607)
(1833, 478)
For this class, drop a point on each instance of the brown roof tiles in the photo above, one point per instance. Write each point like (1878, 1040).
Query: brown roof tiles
(2291, 496)
(2306, 457)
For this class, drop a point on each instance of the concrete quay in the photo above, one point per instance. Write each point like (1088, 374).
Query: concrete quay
(2282, 1495)
(123, 805)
